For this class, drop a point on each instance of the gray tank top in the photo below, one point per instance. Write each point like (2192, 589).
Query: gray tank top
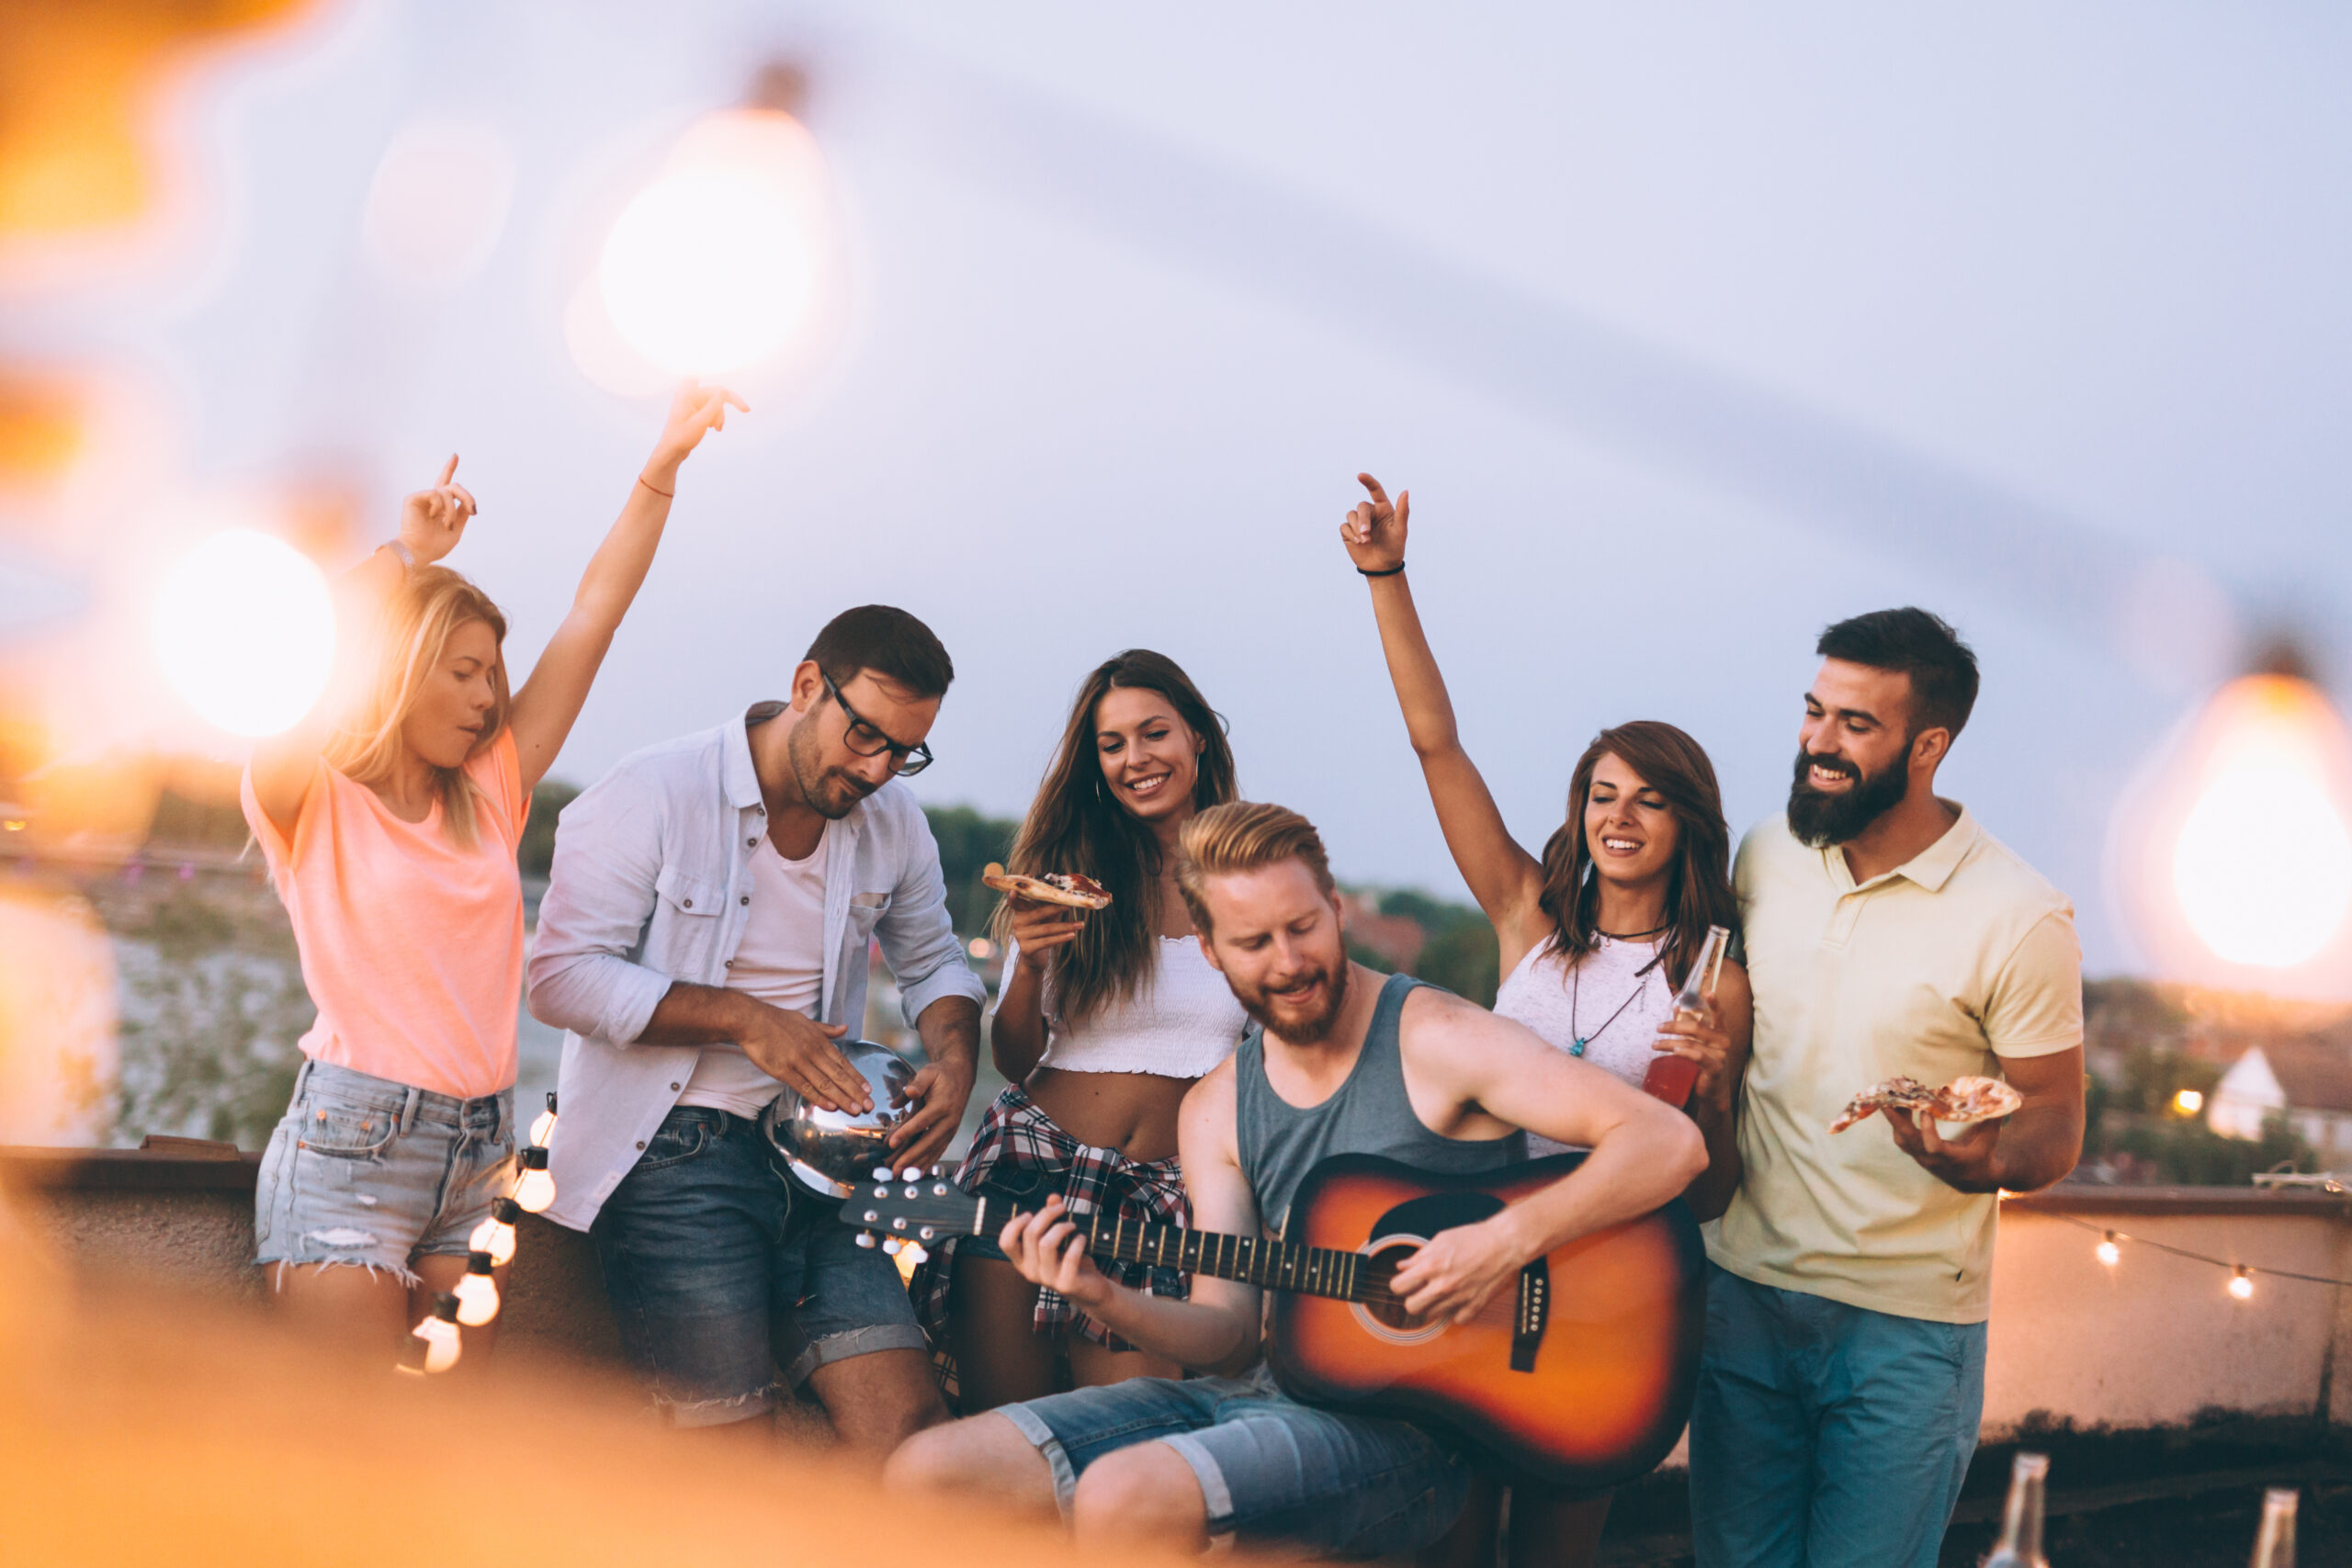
(1370, 1114)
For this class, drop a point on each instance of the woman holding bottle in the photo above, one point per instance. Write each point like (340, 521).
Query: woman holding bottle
(389, 819)
(1104, 1021)
(1597, 934)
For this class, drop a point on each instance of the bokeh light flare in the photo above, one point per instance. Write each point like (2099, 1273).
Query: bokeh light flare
(2235, 851)
(245, 630)
(715, 265)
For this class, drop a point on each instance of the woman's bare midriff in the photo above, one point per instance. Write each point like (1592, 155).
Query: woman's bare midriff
(1132, 1112)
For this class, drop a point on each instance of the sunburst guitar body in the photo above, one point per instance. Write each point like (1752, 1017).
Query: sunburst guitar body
(1580, 1374)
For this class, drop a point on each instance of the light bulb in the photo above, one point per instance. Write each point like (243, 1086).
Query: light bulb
(439, 1332)
(477, 1291)
(2241, 1285)
(543, 1126)
(496, 1234)
(534, 1189)
(2109, 1253)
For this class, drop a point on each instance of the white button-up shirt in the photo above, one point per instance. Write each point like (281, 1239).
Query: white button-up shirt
(651, 885)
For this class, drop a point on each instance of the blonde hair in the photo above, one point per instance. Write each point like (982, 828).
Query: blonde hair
(409, 639)
(1244, 836)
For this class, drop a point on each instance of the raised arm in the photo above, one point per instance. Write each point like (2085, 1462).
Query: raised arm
(432, 522)
(551, 698)
(1215, 1330)
(1503, 878)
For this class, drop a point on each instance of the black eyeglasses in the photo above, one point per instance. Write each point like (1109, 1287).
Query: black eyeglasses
(867, 742)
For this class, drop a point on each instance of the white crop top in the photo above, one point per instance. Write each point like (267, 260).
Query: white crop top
(1180, 1026)
(1537, 994)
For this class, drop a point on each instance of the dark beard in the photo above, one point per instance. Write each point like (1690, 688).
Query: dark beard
(1819, 820)
(830, 803)
(1311, 1029)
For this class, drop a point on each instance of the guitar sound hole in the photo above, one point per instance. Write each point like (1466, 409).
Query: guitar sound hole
(1389, 1315)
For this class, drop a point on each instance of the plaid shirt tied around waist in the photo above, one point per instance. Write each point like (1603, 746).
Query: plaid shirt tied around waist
(1091, 1180)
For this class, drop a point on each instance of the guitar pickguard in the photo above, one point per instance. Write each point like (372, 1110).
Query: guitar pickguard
(1396, 1235)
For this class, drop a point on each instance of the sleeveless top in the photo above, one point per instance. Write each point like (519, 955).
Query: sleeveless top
(1536, 994)
(1180, 1025)
(1370, 1114)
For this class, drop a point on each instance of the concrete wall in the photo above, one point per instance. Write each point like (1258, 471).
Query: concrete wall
(2157, 1338)
(2153, 1341)
(188, 1226)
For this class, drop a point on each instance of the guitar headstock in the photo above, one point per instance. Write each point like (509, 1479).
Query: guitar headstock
(909, 1206)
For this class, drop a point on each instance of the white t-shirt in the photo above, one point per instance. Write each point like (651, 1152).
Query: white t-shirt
(781, 961)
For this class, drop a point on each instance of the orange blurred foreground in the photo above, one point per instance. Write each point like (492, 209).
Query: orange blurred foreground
(141, 1430)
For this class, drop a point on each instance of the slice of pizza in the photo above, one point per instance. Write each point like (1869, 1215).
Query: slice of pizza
(1976, 1100)
(1055, 887)
(1894, 1094)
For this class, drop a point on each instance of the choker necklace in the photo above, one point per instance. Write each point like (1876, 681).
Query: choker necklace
(1631, 936)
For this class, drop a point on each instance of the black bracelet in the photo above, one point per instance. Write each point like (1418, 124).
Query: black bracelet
(1389, 571)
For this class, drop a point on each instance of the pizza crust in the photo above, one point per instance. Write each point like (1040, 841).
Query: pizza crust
(1065, 888)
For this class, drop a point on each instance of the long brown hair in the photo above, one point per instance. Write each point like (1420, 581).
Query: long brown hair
(410, 636)
(1697, 888)
(1076, 824)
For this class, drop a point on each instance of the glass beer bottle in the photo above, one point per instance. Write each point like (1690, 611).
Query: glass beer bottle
(1670, 1077)
(2021, 1542)
(2274, 1546)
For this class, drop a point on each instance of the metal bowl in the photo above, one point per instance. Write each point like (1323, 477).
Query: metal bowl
(829, 1151)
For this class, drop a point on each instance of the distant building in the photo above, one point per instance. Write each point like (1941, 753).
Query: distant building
(2307, 1081)
(1397, 941)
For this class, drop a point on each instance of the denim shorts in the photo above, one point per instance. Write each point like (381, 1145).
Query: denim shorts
(1272, 1470)
(721, 1268)
(366, 1171)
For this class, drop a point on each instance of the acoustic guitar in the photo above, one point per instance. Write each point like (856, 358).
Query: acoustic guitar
(1580, 1377)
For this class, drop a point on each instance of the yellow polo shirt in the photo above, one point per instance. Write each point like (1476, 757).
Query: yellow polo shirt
(1963, 955)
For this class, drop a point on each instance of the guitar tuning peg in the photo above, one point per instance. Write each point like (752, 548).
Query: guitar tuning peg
(866, 1238)
(937, 1171)
(882, 1173)
(912, 1173)
(891, 1244)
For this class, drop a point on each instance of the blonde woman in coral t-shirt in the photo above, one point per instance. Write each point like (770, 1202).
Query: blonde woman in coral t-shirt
(389, 818)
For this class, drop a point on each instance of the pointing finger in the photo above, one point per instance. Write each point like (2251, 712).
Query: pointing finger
(448, 470)
(741, 406)
(1378, 494)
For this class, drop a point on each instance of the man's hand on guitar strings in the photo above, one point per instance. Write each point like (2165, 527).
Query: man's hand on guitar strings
(1047, 1248)
(1457, 1272)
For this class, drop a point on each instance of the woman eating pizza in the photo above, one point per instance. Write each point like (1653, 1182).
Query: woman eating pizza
(1107, 1015)
(389, 819)
(1596, 935)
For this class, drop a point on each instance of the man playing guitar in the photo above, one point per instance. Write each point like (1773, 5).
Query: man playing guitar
(1338, 1060)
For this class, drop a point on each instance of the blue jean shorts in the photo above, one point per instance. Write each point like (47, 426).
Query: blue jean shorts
(366, 1171)
(1272, 1470)
(722, 1269)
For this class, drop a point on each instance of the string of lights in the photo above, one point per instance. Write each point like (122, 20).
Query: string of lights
(434, 1345)
(2110, 1251)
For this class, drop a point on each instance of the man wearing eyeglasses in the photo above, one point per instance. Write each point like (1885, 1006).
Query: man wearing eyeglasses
(705, 938)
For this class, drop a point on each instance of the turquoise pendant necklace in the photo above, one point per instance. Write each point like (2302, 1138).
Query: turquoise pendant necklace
(1576, 986)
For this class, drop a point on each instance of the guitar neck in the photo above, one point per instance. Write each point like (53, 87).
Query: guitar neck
(1252, 1260)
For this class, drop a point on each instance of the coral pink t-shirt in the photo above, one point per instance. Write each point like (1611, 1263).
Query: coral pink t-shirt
(412, 945)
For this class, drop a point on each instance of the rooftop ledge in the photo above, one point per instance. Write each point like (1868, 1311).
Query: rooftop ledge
(204, 1164)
